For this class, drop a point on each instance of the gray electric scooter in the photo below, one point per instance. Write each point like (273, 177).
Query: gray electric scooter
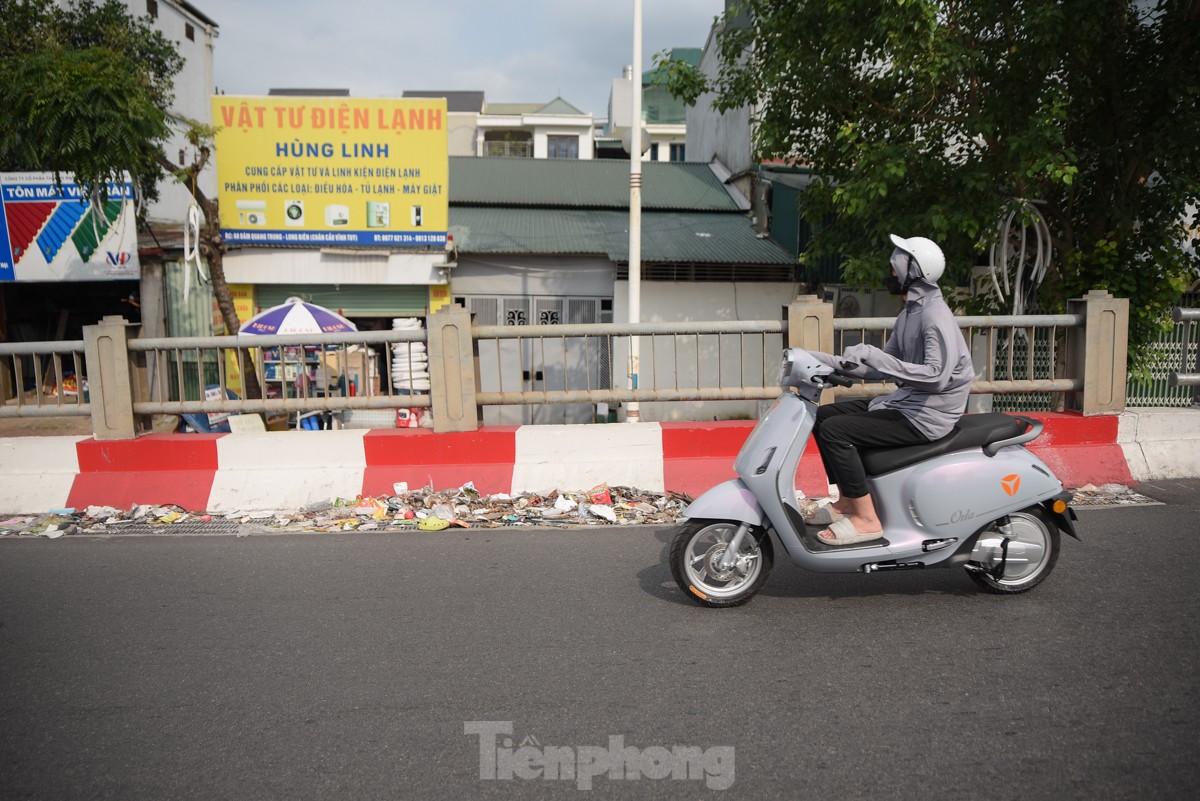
(975, 498)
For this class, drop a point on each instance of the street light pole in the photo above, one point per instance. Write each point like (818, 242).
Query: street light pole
(632, 413)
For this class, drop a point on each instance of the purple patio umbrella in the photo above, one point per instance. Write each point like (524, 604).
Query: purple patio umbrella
(295, 316)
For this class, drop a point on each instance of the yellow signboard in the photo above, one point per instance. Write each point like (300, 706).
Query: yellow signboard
(439, 296)
(322, 171)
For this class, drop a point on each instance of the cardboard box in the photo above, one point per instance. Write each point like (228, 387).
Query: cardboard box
(359, 365)
(362, 371)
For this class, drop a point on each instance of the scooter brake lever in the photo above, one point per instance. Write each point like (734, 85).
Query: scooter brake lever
(849, 365)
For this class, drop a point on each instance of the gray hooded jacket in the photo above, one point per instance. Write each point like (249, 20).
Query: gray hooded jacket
(929, 360)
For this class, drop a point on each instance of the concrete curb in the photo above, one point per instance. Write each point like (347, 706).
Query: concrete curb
(36, 473)
(294, 469)
(1161, 443)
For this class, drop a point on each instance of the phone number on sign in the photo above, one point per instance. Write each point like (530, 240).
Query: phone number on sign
(410, 239)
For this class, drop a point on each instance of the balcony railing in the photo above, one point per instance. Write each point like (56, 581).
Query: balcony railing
(508, 150)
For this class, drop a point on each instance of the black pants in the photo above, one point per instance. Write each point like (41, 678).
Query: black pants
(844, 429)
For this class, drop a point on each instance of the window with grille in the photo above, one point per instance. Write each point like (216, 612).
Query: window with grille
(584, 363)
(508, 144)
(562, 147)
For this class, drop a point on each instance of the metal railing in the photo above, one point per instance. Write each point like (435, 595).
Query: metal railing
(687, 370)
(1007, 368)
(506, 149)
(1185, 377)
(1169, 352)
(677, 363)
(304, 380)
(33, 382)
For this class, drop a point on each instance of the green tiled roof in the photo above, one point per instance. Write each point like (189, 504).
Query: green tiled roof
(667, 237)
(584, 183)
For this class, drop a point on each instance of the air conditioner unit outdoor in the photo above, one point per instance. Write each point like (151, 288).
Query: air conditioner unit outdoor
(858, 301)
(850, 301)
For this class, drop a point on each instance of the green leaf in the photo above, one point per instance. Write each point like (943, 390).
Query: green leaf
(937, 119)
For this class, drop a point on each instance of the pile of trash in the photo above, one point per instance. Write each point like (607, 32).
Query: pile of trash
(422, 510)
(1108, 495)
(430, 510)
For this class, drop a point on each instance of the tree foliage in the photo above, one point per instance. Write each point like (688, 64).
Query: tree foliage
(84, 89)
(940, 117)
(87, 89)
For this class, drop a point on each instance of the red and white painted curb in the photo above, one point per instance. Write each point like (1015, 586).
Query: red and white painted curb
(294, 469)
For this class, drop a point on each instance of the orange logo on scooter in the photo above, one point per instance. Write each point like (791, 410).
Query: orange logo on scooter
(1011, 483)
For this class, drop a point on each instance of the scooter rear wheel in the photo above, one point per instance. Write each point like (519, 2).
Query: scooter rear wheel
(1032, 553)
(696, 552)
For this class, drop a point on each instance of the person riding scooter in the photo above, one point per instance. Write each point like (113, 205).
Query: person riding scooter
(926, 356)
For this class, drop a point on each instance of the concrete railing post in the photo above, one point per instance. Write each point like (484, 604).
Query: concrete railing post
(1097, 353)
(809, 323)
(452, 370)
(113, 381)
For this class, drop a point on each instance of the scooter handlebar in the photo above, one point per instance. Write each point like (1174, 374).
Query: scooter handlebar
(839, 380)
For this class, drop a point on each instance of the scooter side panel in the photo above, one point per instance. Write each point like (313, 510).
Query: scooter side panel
(779, 428)
(953, 495)
(729, 500)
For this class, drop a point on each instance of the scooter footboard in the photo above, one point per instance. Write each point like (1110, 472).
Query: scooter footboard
(730, 500)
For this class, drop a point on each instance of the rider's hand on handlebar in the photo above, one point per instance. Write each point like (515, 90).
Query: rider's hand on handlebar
(861, 354)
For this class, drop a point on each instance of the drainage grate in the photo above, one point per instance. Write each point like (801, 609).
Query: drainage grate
(140, 529)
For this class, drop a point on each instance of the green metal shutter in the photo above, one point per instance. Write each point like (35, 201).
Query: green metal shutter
(354, 300)
(785, 218)
(195, 317)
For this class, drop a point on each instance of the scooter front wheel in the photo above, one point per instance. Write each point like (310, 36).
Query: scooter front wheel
(696, 556)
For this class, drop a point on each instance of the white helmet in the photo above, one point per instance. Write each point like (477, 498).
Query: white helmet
(927, 255)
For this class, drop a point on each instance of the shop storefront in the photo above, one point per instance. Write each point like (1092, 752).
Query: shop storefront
(65, 261)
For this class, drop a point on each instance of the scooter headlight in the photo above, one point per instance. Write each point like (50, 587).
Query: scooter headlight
(785, 371)
(789, 373)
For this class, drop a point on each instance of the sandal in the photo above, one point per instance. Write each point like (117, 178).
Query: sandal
(824, 515)
(844, 533)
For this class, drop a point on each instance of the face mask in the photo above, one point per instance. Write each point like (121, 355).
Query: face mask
(898, 266)
(892, 284)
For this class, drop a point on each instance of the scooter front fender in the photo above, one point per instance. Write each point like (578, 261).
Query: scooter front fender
(730, 500)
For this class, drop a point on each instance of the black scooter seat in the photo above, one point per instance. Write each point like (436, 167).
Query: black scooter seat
(971, 431)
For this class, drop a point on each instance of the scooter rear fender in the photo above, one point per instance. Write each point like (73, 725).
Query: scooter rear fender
(729, 500)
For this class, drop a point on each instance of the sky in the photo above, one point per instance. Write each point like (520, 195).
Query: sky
(515, 51)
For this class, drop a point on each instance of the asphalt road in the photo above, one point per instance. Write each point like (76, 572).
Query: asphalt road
(396, 666)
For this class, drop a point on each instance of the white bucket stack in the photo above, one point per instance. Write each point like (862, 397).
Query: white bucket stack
(410, 362)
